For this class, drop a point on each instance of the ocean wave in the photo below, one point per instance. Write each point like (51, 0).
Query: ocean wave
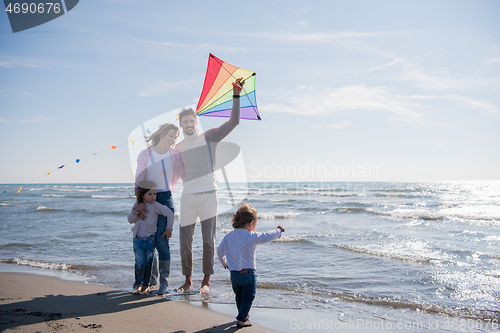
(118, 187)
(282, 200)
(113, 197)
(357, 204)
(225, 230)
(77, 190)
(409, 250)
(46, 265)
(324, 201)
(472, 286)
(494, 238)
(15, 245)
(271, 200)
(44, 209)
(408, 213)
(65, 196)
(440, 215)
(47, 209)
(342, 195)
(293, 239)
(429, 308)
(398, 195)
(284, 215)
(400, 190)
(350, 210)
(257, 199)
(267, 215)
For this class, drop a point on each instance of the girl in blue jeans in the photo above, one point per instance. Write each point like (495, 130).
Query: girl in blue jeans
(237, 252)
(144, 232)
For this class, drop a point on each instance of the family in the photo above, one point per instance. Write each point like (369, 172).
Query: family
(159, 168)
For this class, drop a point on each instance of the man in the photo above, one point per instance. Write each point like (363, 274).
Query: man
(199, 193)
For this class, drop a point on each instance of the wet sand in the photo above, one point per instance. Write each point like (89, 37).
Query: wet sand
(33, 303)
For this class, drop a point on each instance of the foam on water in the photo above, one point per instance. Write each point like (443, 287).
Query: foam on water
(406, 250)
(277, 215)
(345, 243)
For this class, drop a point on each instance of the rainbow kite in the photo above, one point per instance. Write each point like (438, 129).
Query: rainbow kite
(216, 98)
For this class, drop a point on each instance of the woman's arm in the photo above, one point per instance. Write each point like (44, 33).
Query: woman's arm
(142, 162)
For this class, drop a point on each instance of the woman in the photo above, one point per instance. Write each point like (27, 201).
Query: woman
(162, 164)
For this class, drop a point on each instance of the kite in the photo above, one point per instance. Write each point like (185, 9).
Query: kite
(216, 98)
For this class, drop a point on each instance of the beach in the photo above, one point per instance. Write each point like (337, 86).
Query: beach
(33, 303)
(368, 256)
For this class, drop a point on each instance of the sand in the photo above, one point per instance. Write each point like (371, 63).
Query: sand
(33, 303)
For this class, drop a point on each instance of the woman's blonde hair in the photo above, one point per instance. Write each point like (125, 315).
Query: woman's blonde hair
(160, 133)
(245, 214)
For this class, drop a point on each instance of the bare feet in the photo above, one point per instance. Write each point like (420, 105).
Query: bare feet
(144, 290)
(205, 284)
(185, 287)
(137, 291)
(240, 323)
(188, 284)
(204, 289)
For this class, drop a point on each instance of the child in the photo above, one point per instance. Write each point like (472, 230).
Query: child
(144, 232)
(237, 251)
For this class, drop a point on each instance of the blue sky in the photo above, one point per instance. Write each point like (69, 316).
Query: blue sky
(347, 90)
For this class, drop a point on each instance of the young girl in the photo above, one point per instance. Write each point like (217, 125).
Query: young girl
(237, 251)
(144, 232)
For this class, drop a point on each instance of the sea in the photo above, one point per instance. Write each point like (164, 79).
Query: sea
(365, 256)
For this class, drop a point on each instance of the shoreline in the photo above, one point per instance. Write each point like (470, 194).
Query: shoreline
(30, 302)
(17, 304)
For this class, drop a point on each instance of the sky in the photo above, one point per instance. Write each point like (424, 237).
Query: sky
(375, 90)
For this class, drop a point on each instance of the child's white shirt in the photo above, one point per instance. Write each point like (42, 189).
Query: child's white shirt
(237, 249)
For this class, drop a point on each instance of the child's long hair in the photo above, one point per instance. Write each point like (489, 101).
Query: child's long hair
(161, 132)
(143, 188)
(245, 214)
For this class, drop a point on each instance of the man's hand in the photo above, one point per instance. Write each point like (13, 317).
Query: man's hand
(281, 228)
(238, 86)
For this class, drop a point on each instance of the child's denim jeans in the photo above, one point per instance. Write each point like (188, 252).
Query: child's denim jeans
(245, 287)
(143, 250)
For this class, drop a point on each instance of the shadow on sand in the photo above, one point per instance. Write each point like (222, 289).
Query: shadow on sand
(50, 309)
